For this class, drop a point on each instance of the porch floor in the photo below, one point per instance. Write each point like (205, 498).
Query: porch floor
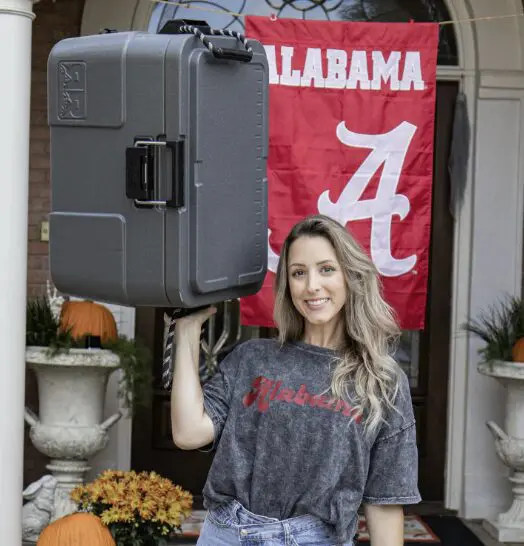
(475, 526)
(484, 537)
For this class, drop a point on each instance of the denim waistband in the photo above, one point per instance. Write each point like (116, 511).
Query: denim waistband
(233, 514)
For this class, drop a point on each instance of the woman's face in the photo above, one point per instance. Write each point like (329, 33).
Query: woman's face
(316, 281)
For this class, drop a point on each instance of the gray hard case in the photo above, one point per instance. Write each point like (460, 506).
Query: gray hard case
(206, 239)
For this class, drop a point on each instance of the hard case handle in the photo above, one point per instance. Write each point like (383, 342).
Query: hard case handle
(244, 56)
(202, 30)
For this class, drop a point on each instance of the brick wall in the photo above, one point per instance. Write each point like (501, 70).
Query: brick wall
(54, 21)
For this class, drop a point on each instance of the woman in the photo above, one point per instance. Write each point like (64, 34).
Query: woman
(308, 427)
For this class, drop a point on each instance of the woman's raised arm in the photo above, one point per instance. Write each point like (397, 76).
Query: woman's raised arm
(191, 427)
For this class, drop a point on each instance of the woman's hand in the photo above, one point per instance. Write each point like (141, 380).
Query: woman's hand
(192, 324)
(385, 524)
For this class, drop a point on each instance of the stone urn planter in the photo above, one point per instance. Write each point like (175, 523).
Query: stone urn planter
(70, 426)
(509, 444)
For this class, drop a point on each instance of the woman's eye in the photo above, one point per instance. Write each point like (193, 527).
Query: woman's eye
(328, 269)
(297, 273)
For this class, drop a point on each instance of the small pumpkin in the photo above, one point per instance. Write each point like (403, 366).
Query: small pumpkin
(86, 317)
(77, 529)
(518, 351)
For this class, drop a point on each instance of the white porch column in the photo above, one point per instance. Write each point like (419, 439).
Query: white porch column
(15, 76)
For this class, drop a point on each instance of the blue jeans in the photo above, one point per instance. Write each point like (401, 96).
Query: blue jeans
(231, 524)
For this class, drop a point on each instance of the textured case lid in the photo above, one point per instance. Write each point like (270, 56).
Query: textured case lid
(226, 184)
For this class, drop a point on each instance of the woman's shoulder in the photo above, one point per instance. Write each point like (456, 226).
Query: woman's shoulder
(401, 381)
(402, 411)
(268, 348)
(274, 345)
(257, 346)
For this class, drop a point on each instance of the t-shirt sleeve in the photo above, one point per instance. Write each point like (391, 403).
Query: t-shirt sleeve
(393, 466)
(218, 390)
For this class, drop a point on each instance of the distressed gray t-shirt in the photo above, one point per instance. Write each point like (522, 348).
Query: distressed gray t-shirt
(284, 449)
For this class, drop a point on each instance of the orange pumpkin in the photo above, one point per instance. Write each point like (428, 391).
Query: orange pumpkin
(88, 318)
(78, 529)
(518, 351)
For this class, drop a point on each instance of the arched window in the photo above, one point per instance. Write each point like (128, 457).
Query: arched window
(213, 11)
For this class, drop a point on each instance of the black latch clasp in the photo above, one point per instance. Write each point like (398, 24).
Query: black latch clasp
(139, 173)
(141, 176)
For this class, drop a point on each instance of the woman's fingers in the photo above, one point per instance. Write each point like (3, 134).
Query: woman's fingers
(195, 320)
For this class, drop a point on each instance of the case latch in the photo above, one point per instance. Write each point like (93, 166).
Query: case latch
(142, 183)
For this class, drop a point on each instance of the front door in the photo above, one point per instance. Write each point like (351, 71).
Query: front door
(424, 355)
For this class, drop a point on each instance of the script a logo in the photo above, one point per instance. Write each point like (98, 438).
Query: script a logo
(388, 151)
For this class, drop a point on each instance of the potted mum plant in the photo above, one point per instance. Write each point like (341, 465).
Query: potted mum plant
(139, 509)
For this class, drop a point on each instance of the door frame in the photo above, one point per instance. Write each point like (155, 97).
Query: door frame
(430, 395)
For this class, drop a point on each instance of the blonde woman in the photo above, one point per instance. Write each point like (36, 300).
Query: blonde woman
(309, 427)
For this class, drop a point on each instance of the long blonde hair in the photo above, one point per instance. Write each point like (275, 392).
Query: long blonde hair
(371, 331)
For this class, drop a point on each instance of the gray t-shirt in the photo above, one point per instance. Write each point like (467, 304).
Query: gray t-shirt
(284, 449)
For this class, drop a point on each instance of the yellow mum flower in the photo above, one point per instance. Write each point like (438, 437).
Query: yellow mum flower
(134, 500)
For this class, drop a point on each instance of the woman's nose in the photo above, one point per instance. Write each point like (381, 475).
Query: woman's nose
(313, 284)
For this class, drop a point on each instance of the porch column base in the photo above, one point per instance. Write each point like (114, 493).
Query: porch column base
(504, 533)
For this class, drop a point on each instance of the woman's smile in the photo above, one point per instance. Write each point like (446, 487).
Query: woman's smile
(317, 303)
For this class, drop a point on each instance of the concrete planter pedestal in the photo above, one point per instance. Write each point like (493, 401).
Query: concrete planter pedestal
(70, 427)
(509, 444)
